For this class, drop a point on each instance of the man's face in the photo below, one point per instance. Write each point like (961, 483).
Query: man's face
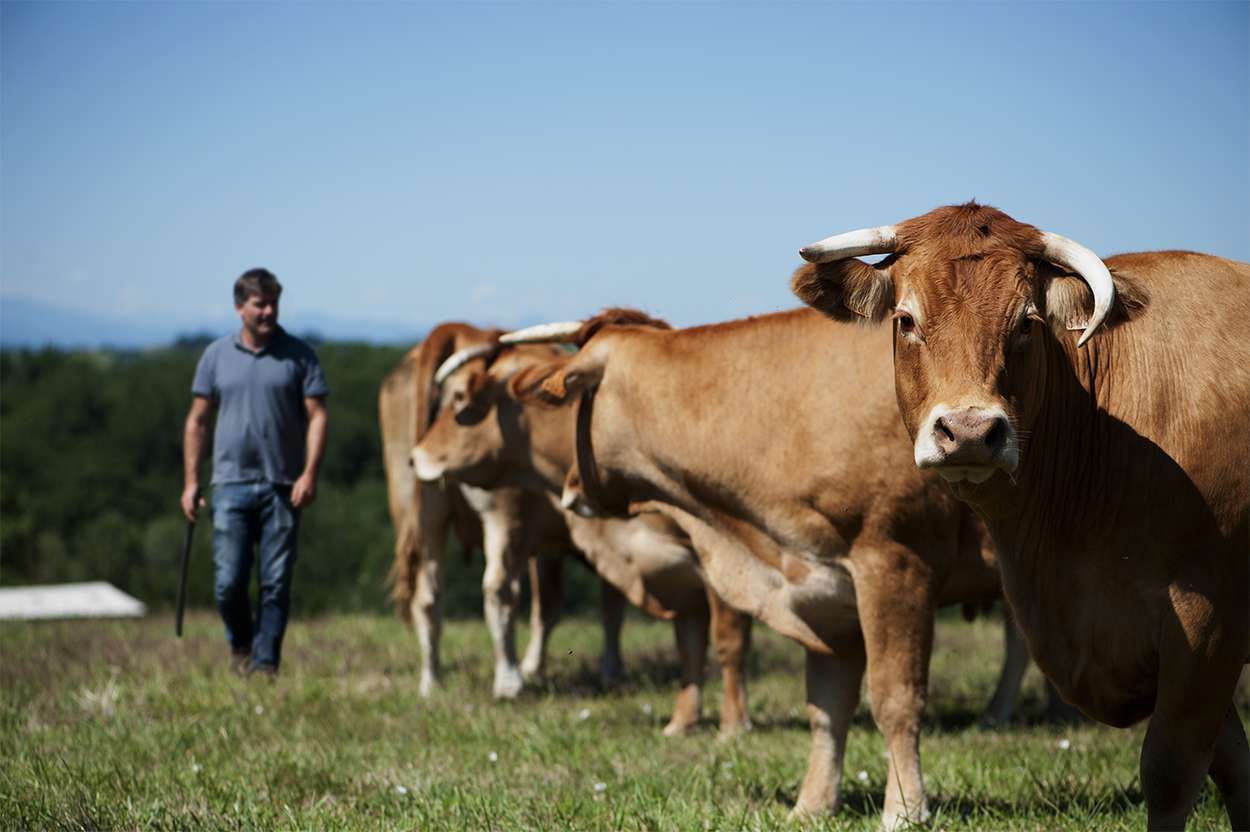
(259, 314)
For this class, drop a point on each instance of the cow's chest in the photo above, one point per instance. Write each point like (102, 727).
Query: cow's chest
(1096, 646)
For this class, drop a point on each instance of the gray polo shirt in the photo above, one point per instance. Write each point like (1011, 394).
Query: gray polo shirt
(261, 422)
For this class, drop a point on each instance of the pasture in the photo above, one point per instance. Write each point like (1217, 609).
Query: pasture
(117, 725)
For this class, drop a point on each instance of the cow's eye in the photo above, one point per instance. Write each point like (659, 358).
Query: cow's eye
(906, 323)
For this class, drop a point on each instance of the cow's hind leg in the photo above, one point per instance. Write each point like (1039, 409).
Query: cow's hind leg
(690, 630)
(731, 636)
(998, 712)
(546, 598)
(832, 695)
(612, 616)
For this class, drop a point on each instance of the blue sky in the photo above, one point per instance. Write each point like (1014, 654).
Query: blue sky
(402, 164)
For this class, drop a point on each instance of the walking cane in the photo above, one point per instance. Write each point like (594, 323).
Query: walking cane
(182, 579)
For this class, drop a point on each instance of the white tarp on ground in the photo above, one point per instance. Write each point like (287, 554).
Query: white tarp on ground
(98, 599)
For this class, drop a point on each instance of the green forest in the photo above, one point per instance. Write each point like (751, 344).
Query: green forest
(91, 473)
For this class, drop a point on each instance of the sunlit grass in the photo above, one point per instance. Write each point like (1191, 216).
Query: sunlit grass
(120, 725)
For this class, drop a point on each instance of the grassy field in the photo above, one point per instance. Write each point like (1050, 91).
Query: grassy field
(119, 725)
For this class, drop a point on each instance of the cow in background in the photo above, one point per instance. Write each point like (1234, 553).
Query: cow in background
(507, 524)
(1097, 416)
(489, 440)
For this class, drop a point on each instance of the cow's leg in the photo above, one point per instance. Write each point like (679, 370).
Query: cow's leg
(427, 597)
(832, 694)
(1196, 684)
(1230, 769)
(731, 635)
(500, 589)
(895, 600)
(1058, 711)
(1015, 662)
(612, 615)
(690, 630)
(546, 598)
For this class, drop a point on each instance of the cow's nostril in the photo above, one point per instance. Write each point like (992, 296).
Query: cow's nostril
(943, 431)
(997, 435)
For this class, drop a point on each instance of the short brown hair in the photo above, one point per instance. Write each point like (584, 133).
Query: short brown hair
(256, 282)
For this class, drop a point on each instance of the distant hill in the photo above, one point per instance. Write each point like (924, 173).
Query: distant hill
(31, 323)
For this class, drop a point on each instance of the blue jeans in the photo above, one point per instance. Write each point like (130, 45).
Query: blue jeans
(248, 517)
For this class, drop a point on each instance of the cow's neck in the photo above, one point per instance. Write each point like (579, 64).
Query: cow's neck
(1055, 522)
(550, 451)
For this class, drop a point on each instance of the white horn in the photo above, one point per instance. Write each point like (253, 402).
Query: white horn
(561, 333)
(1089, 266)
(880, 240)
(458, 359)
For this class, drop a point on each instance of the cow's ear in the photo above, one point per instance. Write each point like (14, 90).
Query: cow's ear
(526, 384)
(554, 384)
(846, 290)
(1069, 303)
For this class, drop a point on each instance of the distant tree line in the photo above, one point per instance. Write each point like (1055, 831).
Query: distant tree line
(91, 472)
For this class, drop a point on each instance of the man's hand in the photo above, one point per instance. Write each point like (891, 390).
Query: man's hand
(191, 501)
(305, 490)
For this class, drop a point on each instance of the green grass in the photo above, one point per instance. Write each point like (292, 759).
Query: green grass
(119, 725)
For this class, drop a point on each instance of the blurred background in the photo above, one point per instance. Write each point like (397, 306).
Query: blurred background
(398, 165)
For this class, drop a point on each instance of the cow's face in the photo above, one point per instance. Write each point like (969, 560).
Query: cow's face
(977, 306)
(967, 335)
(465, 440)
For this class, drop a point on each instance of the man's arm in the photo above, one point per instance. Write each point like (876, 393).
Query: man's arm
(193, 436)
(305, 489)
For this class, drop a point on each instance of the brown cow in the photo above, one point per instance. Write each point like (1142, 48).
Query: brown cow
(775, 445)
(508, 523)
(1113, 469)
(487, 439)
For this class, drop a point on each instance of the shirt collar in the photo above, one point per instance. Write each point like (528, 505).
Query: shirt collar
(278, 335)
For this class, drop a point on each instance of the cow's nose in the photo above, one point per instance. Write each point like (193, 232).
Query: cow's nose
(970, 436)
(425, 466)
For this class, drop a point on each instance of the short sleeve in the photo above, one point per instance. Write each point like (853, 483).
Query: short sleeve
(315, 386)
(205, 382)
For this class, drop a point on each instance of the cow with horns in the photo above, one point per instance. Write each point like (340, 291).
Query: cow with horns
(509, 524)
(1111, 468)
(487, 440)
(775, 444)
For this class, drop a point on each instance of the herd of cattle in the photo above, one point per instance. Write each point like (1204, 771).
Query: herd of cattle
(1036, 423)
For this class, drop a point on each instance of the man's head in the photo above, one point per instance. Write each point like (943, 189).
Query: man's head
(256, 294)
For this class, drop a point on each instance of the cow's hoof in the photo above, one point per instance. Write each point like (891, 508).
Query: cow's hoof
(901, 821)
(679, 727)
(990, 721)
(427, 686)
(532, 669)
(508, 683)
(805, 814)
(730, 731)
(611, 671)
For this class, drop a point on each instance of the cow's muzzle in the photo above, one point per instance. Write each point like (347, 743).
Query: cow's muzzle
(967, 443)
(427, 468)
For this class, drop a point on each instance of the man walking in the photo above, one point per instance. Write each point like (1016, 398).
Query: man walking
(269, 393)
